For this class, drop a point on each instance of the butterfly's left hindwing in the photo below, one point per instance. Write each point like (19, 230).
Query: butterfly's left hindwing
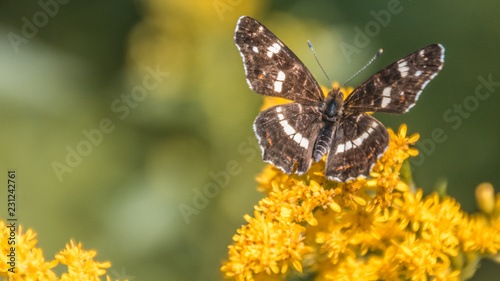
(359, 142)
(271, 68)
(287, 134)
(396, 88)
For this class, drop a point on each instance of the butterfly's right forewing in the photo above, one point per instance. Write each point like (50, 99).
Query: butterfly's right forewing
(271, 68)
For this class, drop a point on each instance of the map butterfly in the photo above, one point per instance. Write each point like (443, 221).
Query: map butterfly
(291, 135)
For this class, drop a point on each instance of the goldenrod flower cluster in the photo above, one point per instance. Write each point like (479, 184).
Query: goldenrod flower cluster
(31, 264)
(379, 228)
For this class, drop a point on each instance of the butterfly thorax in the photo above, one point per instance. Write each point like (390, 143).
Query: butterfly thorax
(334, 105)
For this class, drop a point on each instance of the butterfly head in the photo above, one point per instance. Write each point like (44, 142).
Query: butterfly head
(334, 105)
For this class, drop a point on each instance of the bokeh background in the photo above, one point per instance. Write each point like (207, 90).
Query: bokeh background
(66, 66)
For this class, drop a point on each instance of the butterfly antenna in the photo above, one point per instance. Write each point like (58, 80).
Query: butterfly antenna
(314, 53)
(380, 51)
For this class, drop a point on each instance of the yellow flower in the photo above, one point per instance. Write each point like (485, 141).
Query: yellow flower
(265, 246)
(386, 173)
(31, 264)
(334, 242)
(365, 229)
(351, 269)
(485, 196)
(476, 234)
(81, 264)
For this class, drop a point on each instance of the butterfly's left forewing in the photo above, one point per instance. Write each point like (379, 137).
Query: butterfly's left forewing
(396, 88)
(271, 68)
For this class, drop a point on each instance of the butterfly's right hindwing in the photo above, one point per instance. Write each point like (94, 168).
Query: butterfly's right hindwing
(287, 134)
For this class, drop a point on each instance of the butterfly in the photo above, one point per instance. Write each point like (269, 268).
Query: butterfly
(294, 134)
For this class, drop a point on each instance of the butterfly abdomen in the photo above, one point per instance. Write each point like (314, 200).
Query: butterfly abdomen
(323, 143)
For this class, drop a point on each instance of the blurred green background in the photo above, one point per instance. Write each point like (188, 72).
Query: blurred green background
(67, 66)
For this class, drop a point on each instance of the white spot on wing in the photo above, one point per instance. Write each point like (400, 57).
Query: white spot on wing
(288, 129)
(385, 101)
(421, 53)
(348, 145)
(403, 68)
(281, 76)
(275, 48)
(297, 138)
(418, 73)
(340, 148)
(255, 49)
(278, 109)
(280, 116)
(358, 141)
(386, 92)
(277, 86)
(270, 54)
(364, 136)
(372, 127)
(304, 143)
